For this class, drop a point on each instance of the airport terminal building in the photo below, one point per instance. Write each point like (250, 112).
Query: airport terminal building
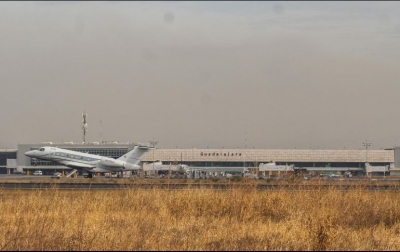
(328, 161)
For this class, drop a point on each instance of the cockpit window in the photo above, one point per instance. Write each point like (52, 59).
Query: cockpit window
(41, 149)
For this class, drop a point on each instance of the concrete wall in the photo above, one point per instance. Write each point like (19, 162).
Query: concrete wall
(397, 157)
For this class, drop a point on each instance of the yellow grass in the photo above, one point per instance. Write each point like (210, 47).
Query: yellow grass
(234, 219)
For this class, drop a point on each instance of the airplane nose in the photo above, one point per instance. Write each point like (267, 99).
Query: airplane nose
(29, 153)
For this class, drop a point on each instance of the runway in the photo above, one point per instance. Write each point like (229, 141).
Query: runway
(23, 182)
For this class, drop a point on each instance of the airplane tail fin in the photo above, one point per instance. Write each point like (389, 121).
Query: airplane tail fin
(135, 155)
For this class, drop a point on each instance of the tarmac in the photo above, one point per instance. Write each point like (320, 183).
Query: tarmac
(45, 182)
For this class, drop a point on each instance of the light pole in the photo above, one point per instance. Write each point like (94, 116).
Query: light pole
(153, 143)
(367, 144)
(84, 126)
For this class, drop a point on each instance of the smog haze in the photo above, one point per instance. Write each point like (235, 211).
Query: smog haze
(319, 75)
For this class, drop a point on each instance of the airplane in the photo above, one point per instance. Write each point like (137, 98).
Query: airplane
(89, 162)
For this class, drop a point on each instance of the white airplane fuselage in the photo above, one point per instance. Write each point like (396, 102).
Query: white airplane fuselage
(89, 162)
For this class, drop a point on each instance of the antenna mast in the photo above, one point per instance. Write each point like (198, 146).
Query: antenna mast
(84, 126)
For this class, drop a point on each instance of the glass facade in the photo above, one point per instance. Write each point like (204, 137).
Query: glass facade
(7, 155)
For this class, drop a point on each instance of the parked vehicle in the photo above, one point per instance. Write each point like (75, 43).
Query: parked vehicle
(56, 175)
(348, 174)
(38, 173)
(113, 175)
(86, 175)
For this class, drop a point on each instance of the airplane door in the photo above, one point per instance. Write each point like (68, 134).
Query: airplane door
(52, 153)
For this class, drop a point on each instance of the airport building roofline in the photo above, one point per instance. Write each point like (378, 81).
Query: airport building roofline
(102, 145)
(8, 150)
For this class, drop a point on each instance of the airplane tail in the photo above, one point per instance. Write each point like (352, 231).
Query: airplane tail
(135, 155)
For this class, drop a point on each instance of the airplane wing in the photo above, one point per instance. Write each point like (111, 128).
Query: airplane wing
(76, 165)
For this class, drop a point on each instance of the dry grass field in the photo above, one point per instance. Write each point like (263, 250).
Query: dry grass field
(234, 219)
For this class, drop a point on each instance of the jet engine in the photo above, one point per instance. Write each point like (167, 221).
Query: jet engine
(113, 163)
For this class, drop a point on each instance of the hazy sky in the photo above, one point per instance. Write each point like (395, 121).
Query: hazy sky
(197, 74)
